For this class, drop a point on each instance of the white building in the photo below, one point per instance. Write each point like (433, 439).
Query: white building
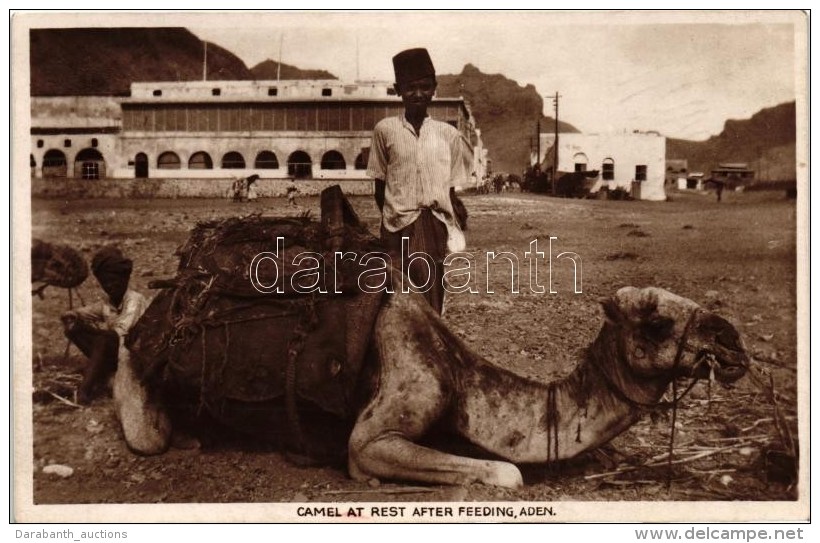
(634, 162)
(193, 138)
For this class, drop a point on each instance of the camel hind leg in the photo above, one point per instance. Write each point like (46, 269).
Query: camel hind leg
(412, 395)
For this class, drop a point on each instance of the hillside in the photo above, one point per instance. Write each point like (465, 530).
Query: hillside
(268, 68)
(766, 142)
(105, 61)
(506, 113)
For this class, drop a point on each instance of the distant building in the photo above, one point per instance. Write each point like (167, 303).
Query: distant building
(732, 175)
(634, 162)
(676, 168)
(197, 136)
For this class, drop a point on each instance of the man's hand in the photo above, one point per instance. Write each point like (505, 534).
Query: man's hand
(379, 194)
(459, 209)
(69, 318)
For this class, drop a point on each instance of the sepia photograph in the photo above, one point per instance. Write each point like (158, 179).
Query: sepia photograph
(411, 266)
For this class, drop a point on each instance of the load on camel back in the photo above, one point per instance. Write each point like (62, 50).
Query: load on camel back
(365, 377)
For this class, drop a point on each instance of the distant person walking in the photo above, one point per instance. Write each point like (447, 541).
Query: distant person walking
(719, 190)
(292, 191)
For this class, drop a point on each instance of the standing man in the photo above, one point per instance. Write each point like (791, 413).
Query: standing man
(416, 162)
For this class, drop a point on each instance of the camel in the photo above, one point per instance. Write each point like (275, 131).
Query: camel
(420, 376)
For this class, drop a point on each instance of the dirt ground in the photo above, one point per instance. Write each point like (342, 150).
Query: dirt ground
(737, 258)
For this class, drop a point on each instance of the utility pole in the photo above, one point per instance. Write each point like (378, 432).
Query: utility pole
(555, 146)
(538, 143)
(279, 64)
(205, 61)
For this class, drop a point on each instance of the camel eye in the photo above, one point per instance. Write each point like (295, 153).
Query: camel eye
(659, 328)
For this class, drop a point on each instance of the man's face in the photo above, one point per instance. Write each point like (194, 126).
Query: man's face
(115, 286)
(417, 94)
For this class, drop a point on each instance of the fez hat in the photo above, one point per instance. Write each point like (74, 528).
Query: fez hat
(109, 261)
(413, 64)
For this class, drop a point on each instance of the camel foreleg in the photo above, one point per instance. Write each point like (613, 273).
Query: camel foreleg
(413, 394)
(145, 424)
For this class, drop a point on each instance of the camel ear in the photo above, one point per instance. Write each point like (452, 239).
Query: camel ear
(611, 310)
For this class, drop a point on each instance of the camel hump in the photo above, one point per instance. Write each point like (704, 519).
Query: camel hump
(213, 333)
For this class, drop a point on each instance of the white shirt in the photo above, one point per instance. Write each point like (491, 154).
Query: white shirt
(118, 319)
(418, 170)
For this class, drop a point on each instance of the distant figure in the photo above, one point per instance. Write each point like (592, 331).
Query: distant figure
(239, 190)
(252, 194)
(292, 192)
(719, 190)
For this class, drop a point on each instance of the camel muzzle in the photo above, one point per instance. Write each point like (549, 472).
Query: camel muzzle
(724, 365)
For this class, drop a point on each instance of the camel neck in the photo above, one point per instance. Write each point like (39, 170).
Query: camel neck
(544, 422)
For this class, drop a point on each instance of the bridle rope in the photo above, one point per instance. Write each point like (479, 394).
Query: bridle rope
(676, 398)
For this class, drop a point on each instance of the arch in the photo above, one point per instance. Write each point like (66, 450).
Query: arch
(233, 161)
(361, 161)
(200, 161)
(266, 160)
(300, 165)
(168, 160)
(88, 154)
(54, 164)
(581, 161)
(141, 166)
(333, 160)
(89, 164)
(608, 169)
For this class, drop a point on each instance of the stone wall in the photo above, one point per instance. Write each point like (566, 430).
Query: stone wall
(182, 188)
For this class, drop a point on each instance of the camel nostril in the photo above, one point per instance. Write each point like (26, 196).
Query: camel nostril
(639, 352)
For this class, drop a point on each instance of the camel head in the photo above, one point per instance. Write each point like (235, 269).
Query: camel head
(659, 336)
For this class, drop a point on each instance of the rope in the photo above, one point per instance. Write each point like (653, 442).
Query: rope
(295, 346)
(552, 424)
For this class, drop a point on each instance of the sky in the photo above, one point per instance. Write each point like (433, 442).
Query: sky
(682, 74)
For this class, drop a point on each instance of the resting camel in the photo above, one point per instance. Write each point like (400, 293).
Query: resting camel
(426, 377)
(369, 377)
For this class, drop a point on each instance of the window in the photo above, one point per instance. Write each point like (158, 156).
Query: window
(94, 142)
(216, 92)
(640, 172)
(157, 92)
(361, 160)
(608, 170)
(200, 161)
(266, 160)
(31, 162)
(333, 160)
(273, 91)
(327, 92)
(168, 161)
(300, 165)
(90, 170)
(40, 144)
(233, 161)
(54, 158)
(67, 143)
(580, 160)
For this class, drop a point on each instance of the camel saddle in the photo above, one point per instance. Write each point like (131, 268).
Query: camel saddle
(213, 333)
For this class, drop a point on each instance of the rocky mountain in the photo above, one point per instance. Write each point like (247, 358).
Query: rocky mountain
(105, 61)
(506, 113)
(268, 70)
(766, 141)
